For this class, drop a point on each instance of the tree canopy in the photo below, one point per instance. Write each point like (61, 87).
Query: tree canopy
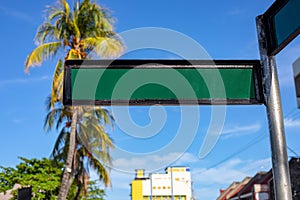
(44, 179)
(40, 175)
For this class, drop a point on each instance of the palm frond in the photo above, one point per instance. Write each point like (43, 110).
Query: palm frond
(51, 118)
(101, 170)
(64, 118)
(83, 138)
(41, 53)
(59, 143)
(57, 117)
(45, 32)
(61, 18)
(93, 19)
(102, 136)
(62, 8)
(104, 46)
(105, 115)
(54, 12)
(57, 83)
(66, 7)
(61, 154)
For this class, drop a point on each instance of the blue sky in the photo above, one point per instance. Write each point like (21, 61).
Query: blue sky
(225, 30)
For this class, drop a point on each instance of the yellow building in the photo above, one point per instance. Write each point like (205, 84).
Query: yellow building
(175, 182)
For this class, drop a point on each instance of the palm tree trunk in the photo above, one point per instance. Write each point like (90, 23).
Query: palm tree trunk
(67, 175)
(78, 192)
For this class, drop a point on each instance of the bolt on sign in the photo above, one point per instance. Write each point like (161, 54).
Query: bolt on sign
(166, 82)
(282, 24)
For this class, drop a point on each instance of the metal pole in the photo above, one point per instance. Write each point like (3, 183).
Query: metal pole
(150, 186)
(172, 194)
(281, 177)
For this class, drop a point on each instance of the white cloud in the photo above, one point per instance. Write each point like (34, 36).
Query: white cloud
(235, 12)
(238, 130)
(232, 170)
(291, 123)
(24, 80)
(255, 166)
(208, 181)
(123, 170)
(206, 193)
(222, 174)
(19, 120)
(156, 162)
(186, 159)
(121, 180)
(16, 14)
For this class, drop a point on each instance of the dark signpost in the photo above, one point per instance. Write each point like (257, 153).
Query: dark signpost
(278, 26)
(282, 24)
(95, 82)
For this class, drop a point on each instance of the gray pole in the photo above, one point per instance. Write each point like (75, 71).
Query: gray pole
(150, 186)
(281, 177)
(172, 190)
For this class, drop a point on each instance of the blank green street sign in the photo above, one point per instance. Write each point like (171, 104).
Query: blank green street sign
(282, 21)
(167, 82)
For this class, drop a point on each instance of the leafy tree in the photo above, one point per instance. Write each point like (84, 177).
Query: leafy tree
(6, 178)
(78, 33)
(95, 193)
(44, 178)
(40, 175)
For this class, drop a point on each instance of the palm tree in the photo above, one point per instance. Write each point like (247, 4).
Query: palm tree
(92, 144)
(85, 30)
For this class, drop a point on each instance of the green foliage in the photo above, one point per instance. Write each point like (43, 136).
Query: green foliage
(6, 178)
(95, 193)
(38, 174)
(44, 178)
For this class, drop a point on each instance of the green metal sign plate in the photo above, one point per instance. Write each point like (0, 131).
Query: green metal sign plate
(169, 82)
(282, 21)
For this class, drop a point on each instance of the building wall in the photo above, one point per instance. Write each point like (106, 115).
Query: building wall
(294, 165)
(160, 185)
(137, 190)
(262, 187)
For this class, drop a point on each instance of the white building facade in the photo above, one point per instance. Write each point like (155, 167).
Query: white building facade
(174, 184)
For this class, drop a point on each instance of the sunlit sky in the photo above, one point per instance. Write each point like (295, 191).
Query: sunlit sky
(224, 29)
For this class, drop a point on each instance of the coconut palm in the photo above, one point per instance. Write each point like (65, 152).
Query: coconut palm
(85, 31)
(75, 33)
(92, 144)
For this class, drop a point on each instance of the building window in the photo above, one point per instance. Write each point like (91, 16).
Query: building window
(180, 198)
